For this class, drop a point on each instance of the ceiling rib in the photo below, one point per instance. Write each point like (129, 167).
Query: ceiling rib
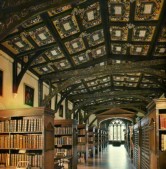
(56, 36)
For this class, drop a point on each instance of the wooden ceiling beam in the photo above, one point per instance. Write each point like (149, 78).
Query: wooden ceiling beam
(105, 22)
(23, 10)
(57, 38)
(108, 106)
(65, 95)
(111, 93)
(157, 32)
(85, 102)
(110, 69)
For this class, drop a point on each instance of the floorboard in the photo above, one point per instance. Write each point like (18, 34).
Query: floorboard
(110, 158)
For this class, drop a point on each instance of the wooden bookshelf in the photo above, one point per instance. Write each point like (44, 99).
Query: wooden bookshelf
(82, 146)
(130, 140)
(104, 138)
(158, 109)
(65, 142)
(96, 140)
(136, 151)
(149, 137)
(99, 140)
(91, 141)
(27, 135)
(146, 126)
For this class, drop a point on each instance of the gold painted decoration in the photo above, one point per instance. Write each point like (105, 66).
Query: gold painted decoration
(63, 64)
(131, 84)
(160, 50)
(99, 82)
(41, 70)
(118, 83)
(54, 53)
(132, 79)
(118, 78)
(162, 37)
(18, 44)
(143, 33)
(95, 38)
(98, 52)
(119, 10)
(119, 33)
(133, 74)
(147, 10)
(139, 49)
(41, 36)
(118, 61)
(56, 11)
(81, 58)
(33, 21)
(117, 48)
(39, 60)
(101, 64)
(75, 45)
(148, 85)
(91, 16)
(66, 26)
(89, 78)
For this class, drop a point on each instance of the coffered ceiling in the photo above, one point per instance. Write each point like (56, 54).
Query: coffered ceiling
(93, 34)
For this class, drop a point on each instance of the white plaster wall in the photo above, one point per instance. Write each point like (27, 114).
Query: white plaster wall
(91, 118)
(10, 100)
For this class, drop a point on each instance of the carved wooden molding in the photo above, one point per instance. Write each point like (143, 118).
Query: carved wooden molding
(23, 10)
(141, 66)
(113, 93)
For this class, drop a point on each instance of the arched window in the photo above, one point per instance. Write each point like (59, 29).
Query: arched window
(116, 130)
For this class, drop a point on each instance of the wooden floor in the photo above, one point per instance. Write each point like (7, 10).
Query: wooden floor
(110, 158)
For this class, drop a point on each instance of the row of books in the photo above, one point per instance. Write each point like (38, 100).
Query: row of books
(81, 148)
(82, 132)
(65, 140)
(67, 152)
(90, 146)
(63, 130)
(163, 142)
(4, 158)
(91, 133)
(27, 141)
(34, 160)
(81, 140)
(162, 121)
(90, 139)
(21, 125)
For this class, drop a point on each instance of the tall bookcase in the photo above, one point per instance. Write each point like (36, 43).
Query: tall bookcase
(158, 109)
(105, 138)
(99, 140)
(150, 137)
(136, 151)
(145, 128)
(96, 140)
(65, 141)
(27, 135)
(91, 141)
(82, 146)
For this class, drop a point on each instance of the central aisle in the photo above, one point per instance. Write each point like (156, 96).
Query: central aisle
(110, 158)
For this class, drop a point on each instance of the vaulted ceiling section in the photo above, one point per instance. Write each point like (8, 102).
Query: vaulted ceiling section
(113, 51)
